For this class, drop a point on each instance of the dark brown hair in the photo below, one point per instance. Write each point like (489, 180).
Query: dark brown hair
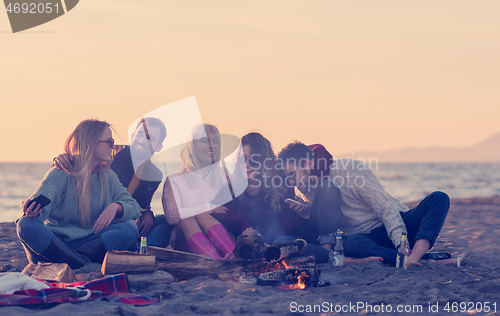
(262, 153)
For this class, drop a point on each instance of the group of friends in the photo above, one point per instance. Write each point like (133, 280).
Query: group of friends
(100, 200)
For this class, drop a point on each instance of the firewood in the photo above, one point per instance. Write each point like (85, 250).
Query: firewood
(310, 276)
(302, 262)
(168, 255)
(183, 265)
(280, 251)
(53, 272)
(127, 262)
(29, 269)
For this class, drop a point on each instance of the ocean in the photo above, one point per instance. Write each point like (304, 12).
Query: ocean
(405, 181)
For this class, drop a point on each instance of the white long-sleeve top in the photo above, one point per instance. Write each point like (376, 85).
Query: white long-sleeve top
(365, 203)
(181, 201)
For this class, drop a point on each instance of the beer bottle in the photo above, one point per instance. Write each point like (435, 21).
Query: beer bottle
(338, 251)
(144, 244)
(402, 257)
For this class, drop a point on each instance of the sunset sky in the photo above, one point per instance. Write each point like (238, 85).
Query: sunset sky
(353, 75)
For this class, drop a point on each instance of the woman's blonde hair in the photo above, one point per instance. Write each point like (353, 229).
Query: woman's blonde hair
(81, 145)
(190, 160)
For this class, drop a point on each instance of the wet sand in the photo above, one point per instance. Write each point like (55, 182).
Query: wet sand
(472, 229)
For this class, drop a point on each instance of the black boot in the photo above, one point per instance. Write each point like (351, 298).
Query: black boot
(58, 252)
(94, 249)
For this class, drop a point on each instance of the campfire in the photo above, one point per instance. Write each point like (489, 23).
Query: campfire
(300, 285)
(278, 265)
(284, 269)
(300, 282)
(291, 274)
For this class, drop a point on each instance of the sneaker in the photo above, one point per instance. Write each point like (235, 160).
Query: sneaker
(436, 256)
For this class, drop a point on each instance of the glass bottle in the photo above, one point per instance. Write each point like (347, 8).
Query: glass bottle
(402, 257)
(144, 244)
(338, 251)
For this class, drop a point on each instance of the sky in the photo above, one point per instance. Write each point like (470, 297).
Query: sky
(352, 75)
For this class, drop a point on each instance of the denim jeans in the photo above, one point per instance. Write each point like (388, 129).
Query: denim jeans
(159, 235)
(422, 222)
(36, 237)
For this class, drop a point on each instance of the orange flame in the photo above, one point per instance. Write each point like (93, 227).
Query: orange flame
(301, 279)
(300, 285)
(301, 282)
(285, 264)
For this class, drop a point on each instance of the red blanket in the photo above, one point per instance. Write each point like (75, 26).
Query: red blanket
(113, 288)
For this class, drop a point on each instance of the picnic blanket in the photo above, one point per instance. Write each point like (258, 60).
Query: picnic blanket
(112, 288)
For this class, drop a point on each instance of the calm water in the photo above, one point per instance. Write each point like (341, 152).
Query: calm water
(405, 181)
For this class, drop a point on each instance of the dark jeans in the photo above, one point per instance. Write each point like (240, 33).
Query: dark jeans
(422, 222)
(36, 237)
(159, 235)
(322, 224)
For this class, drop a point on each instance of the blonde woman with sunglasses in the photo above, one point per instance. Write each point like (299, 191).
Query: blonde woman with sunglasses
(90, 212)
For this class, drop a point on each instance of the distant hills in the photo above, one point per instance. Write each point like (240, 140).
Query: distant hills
(486, 151)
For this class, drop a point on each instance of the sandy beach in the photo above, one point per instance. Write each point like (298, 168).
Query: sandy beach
(472, 229)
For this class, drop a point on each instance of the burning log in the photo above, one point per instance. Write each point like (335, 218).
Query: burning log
(276, 268)
(183, 265)
(270, 278)
(302, 262)
(297, 274)
(291, 278)
(284, 250)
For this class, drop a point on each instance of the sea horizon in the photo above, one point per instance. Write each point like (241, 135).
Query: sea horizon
(408, 182)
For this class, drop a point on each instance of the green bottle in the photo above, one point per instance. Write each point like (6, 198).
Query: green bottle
(402, 257)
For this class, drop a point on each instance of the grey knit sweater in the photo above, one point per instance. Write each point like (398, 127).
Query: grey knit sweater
(365, 203)
(61, 215)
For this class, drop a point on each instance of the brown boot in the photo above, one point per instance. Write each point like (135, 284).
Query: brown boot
(58, 252)
(94, 249)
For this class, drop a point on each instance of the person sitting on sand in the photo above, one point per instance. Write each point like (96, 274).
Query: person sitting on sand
(135, 159)
(353, 200)
(261, 206)
(187, 194)
(90, 211)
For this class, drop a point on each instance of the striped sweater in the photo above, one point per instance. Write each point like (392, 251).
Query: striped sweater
(61, 215)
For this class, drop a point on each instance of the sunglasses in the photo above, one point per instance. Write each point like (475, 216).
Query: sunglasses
(111, 142)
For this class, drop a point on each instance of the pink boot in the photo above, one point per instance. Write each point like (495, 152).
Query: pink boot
(200, 245)
(219, 236)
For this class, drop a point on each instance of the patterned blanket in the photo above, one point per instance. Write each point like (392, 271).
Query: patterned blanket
(113, 289)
